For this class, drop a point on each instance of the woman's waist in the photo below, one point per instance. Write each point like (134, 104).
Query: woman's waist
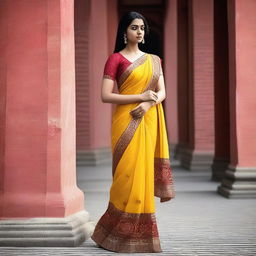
(123, 110)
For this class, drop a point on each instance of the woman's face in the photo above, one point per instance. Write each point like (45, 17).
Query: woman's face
(136, 31)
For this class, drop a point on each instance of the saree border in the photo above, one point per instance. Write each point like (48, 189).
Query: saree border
(122, 231)
(130, 68)
(163, 180)
(129, 132)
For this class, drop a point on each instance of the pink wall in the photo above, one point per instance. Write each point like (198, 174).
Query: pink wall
(82, 10)
(201, 75)
(242, 61)
(100, 112)
(170, 71)
(94, 30)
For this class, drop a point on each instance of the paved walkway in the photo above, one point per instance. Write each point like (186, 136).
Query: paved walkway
(197, 222)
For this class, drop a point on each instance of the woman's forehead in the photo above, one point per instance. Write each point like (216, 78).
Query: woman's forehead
(137, 22)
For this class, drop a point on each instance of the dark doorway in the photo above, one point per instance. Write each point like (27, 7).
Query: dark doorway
(183, 73)
(221, 90)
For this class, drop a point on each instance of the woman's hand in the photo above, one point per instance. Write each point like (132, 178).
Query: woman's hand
(148, 96)
(141, 109)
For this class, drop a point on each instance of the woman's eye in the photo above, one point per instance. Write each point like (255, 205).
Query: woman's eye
(136, 28)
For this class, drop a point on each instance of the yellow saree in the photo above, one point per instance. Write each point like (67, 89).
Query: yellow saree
(141, 167)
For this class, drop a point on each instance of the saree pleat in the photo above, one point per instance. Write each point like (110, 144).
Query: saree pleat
(140, 169)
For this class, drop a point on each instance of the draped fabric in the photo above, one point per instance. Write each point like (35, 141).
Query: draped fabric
(140, 167)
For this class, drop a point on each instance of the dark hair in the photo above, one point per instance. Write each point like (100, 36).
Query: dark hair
(124, 22)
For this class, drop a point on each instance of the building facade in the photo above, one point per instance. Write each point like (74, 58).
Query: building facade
(52, 54)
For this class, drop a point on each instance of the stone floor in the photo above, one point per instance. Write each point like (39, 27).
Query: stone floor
(198, 221)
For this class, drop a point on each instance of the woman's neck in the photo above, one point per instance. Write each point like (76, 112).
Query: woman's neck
(132, 49)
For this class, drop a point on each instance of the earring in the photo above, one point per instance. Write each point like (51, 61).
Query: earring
(125, 39)
(143, 41)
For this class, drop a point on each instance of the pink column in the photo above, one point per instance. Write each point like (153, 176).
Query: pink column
(93, 117)
(37, 95)
(170, 72)
(239, 180)
(197, 151)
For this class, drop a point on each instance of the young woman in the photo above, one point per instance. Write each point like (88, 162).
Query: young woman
(141, 166)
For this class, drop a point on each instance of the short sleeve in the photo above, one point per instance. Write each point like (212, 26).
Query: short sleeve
(161, 66)
(111, 67)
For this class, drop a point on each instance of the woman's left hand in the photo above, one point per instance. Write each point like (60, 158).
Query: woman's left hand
(141, 109)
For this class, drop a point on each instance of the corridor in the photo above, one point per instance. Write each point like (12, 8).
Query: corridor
(197, 222)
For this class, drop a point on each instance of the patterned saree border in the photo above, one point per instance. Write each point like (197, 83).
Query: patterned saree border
(164, 187)
(130, 68)
(156, 72)
(124, 141)
(121, 231)
(129, 132)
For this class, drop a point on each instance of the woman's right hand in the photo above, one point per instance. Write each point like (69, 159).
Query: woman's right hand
(149, 95)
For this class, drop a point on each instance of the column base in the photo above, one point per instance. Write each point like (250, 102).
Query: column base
(195, 160)
(238, 182)
(94, 157)
(219, 167)
(47, 232)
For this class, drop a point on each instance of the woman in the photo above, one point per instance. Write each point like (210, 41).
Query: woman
(141, 166)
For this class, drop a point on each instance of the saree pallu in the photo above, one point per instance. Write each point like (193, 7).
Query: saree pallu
(141, 167)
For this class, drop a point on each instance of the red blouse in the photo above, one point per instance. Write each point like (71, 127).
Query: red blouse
(116, 64)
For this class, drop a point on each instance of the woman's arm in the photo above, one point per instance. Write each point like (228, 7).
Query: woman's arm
(107, 95)
(143, 107)
(160, 90)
